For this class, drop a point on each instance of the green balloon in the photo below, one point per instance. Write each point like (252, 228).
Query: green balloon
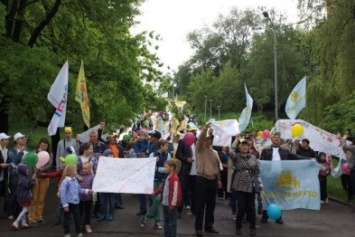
(146, 123)
(30, 159)
(71, 159)
(126, 138)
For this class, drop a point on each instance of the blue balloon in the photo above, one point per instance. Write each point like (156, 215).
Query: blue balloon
(274, 211)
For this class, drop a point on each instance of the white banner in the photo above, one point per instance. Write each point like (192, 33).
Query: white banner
(291, 184)
(320, 140)
(135, 175)
(228, 127)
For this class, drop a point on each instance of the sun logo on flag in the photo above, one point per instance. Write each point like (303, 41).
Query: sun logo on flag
(286, 180)
(295, 96)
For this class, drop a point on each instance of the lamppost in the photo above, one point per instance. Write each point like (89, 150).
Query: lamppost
(266, 15)
(219, 112)
(205, 107)
(210, 109)
(174, 85)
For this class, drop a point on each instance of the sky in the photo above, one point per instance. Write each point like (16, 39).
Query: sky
(174, 19)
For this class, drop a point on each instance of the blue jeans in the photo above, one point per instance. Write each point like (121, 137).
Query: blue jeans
(107, 201)
(59, 211)
(118, 200)
(169, 222)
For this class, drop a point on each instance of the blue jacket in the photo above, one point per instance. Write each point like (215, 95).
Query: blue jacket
(160, 174)
(141, 146)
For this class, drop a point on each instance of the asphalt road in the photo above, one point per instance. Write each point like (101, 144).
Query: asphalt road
(333, 220)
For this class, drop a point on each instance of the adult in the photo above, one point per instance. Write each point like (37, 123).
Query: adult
(16, 155)
(277, 153)
(246, 178)
(4, 155)
(184, 153)
(224, 157)
(207, 181)
(98, 146)
(66, 146)
(350, 159)
(39, 190)
(305, 149)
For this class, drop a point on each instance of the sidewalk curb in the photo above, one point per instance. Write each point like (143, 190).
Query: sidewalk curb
(341, 202)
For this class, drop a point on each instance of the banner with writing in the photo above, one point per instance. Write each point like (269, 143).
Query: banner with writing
(134, 175)
(291, 184)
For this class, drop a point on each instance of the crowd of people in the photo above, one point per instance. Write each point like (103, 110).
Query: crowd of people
(188, 177)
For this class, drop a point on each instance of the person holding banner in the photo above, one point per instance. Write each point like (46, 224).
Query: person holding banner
(246, 182)
(207, 181)
(161, 155)
(277, 153)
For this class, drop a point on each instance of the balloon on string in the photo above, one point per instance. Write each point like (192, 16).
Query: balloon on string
(30, 159)
(189, 138)
(297, 130)
(274, 211)
(260, 134)
(71, 159)
(345, 168)
(43, 158)
(266, 133)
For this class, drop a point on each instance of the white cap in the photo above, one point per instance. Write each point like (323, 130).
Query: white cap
(4, 136)
(18, 135)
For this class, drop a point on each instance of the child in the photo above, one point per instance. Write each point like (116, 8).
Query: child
(24, 186)
(324, 171)
(171, 197)
(69, 196)
(85, 204)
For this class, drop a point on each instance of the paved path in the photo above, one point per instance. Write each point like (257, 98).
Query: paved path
(334, 220)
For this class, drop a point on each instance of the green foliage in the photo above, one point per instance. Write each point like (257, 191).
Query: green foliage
(47, 33)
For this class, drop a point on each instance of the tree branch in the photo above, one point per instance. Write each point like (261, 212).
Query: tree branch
(37, 31)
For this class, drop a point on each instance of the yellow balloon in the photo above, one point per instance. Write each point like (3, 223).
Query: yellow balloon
(297, 130)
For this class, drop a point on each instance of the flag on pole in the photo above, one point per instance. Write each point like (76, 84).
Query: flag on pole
(244, 118)
(296, 100)
(57, 96)
(81, 95)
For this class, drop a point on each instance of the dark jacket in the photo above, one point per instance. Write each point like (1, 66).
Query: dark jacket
(306, 152)
(266, 154)
(24, 185)
(141, 146)
(183, 152)
(159, 176)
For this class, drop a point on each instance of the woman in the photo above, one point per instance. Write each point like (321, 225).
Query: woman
(86, 154)
(39, 191)
(245, 183)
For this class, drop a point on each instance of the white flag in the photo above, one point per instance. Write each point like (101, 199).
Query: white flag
(296, 100)
(57, 96)
(244, 118)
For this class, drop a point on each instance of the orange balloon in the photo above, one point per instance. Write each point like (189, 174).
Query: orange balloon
(260, 134)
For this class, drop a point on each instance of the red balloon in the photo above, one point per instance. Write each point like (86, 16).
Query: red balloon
(345, 168)
(189, 138)
(266, 133)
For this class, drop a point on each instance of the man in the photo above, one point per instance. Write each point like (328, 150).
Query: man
(277, 153)
(306, 150)
(98, 146)
(207, 181)
(4, 154)
(16, 155)
(186, 156)
(153, 140)
(66, 146)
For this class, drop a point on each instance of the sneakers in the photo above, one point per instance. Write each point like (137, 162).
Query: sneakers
(67, 235)
(34, 224)
(80, 235)
(234, 217)
(158, 226)
(143, 222)
(10, 218)
(88, 229)
(42, 222)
